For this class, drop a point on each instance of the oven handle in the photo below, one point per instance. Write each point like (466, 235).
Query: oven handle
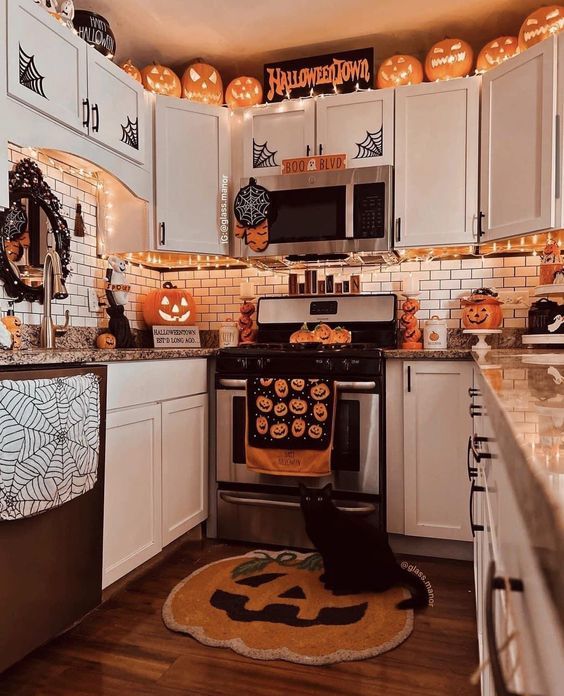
(366, 509)
(341, 386)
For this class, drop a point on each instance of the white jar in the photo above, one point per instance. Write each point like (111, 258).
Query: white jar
(435, 334)
(228, 334)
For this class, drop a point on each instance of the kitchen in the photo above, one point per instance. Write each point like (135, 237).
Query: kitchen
(292, 260)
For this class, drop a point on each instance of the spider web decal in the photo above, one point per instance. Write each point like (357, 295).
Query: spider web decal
(14, 221)
(30, 77)
(371, 146)
(262, 156)
(251, 205)
(130, 133)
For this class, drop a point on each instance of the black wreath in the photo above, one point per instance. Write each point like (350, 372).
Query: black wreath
(252, 205)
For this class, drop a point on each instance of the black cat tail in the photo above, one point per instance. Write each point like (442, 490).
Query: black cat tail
(420, 596)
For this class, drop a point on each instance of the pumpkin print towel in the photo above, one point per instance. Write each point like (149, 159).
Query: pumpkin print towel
(290, 426)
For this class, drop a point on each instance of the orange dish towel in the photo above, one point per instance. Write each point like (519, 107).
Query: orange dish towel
(290, 426)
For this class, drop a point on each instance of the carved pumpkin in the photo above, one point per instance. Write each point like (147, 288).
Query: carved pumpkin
(297, 384)
(298, 427)
(280, 409)
(323, 333)
(298, 407)
(448, 59)
(341, 335)
(262, 425)
(264, 404)
(398, 70)
(481, 312)
(320, 391)
(303, 335)
(161, 80)
(170, 306)
(243, 91)
(320, 412)
(410, 306)
(281, 388)
(278, 431)
(495, 52)
(132, 71)
(540, 25)
(106, 341)
(202, 83)
(315, 431)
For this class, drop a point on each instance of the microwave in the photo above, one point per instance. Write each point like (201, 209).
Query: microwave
(319, 214)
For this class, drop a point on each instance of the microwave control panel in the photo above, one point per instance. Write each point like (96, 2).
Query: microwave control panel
(370, 210)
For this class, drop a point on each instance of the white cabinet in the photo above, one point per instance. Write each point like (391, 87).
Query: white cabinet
(4, 196)
(436, 163)
(436, 426)
(276, 132)
(132, 492)
(360, 125)
(517, 194)
(192, 165)
(185, 455)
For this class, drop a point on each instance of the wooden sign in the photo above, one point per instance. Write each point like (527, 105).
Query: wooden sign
(303, 77)
(176, 337)
(317, 163)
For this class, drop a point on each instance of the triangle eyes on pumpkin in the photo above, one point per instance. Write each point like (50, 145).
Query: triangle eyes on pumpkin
(184, 302)
(194, 74)
(213, 77)
(165, 301)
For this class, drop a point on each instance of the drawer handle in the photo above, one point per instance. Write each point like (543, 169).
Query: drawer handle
(235, 499)
(475, 410)
(475, 489)
(478, 456)
(472, 392)
(472, 470)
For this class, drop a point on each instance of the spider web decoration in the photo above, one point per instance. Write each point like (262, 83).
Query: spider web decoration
(130, 133)
(262, 156)
(252, 204)
(371, 146)
(14, 222)
(30, 77)
(49, 442)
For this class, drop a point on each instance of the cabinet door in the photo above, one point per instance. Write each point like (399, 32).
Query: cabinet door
(436, 427)
(192, 163)
(361, 125)
(46, 64)
(4, 196)
(185, 465)
(518, 144)
(117, 104)
(436, 163)
(276, 132)
(132, 493)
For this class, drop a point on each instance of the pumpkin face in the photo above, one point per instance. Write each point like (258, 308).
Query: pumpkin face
(170, 306)
(264, 404)
(398, 70)
(315, 431)
(408, 321)
(320, 412)
(540, 25)
(161, 80)
(303, 335)
(280, 410)
(341, 335)
(281, 388)
(410, 306)
(298, 427)
(279, 431)
(298, 407)
(106, 341)
(495, 52)
(132, 71)
(298, 384)
(485, 314)
(323, 333)
(243, 91)
(413, 334)
(266, 382)
(202, 83)
(448, 59)
(319, 391)
(262, 425)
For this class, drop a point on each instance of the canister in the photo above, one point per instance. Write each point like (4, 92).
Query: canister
(228, 334)
(435, 334)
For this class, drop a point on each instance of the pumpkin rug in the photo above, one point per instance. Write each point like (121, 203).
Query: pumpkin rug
(271, 605)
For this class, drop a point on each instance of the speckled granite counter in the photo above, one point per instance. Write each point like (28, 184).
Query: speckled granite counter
(523, 391)
(448, 354)
(93, 355)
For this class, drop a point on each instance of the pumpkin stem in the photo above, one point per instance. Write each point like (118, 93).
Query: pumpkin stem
(169, 286)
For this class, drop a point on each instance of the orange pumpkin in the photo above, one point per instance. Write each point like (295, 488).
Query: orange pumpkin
(106, 341)
(341, 335)
(398, 70)
(170, 306)
(161, 80)
(323, 333)
(132, 71)
(448, 59)
(243, 91)
(540, 25)
(303, 335)
(481, 312)
(495, 52)
(202, 83)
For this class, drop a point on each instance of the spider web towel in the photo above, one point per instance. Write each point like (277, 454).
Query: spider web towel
(49, 442)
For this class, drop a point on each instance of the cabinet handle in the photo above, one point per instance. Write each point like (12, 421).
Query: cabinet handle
(86, 113)
(557, 146)
(472, 392)
(95, 118)
(475, 410)
(320, 149)
(308, 150)
(162, 235)
(472, 471)
(475, 489)
(481, 216)
(409, 378)
(478, 456)
(398, 230)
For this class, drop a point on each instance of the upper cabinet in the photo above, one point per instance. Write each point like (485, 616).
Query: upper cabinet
(360, 125)
(436, 163)
(518, 144)
(192, 166)
(4, 197)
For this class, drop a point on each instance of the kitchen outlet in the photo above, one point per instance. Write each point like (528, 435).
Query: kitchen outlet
(95, 304)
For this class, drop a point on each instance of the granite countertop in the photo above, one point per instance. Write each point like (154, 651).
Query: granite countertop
(447, 354)
(523, 391)
(94, 355)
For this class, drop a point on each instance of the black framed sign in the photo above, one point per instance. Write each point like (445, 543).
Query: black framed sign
(319, 74)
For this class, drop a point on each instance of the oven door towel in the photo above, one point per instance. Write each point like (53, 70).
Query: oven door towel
(290, 426)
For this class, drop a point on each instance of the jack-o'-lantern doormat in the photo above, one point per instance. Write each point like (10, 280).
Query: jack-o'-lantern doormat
(271, 605)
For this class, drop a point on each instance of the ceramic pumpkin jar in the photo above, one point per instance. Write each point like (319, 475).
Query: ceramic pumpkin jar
(161, 80)
(243, 91)
(398, 70)
(202, 83)
(540, 25)
(132, 71)
(448, 59)
(169, 306)
(106, 341)
(481, 312)
(303, 335)
(495, 52)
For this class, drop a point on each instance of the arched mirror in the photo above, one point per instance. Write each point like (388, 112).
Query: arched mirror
(29, 228)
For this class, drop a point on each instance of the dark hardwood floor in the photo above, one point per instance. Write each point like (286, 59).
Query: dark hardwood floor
(124, 649)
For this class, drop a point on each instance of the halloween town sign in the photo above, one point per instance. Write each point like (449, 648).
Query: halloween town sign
(319, 74)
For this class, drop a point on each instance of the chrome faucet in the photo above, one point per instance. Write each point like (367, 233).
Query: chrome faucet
(53, 288)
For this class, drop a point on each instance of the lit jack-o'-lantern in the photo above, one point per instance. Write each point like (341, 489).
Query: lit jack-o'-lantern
(132, 70)
(202, 83)
(495, 52)
(398, 70)
(448, 59)
(170, 306)
(243, 91)
(540, 25)
(161, 80)
(481, 312)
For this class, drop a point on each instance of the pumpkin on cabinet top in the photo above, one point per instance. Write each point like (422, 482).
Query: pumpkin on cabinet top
(495, 52)
(202, 83)
(161, 80)
(481, 311)
(132, 70)
(169, 306)
(540, 25)
(243, 91)
(398, 70)
(448, 59)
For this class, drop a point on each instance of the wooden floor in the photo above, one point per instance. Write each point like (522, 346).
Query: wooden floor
(123, 648)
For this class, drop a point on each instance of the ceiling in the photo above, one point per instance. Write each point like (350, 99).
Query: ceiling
(238, 36)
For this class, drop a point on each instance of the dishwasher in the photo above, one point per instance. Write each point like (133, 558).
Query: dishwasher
(51, 563)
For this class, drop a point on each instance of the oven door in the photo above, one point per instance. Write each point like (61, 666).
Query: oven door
(355, 461)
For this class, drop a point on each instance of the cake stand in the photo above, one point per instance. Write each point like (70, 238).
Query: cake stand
(482, 344)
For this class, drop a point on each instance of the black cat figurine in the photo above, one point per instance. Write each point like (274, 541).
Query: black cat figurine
(356, 556)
